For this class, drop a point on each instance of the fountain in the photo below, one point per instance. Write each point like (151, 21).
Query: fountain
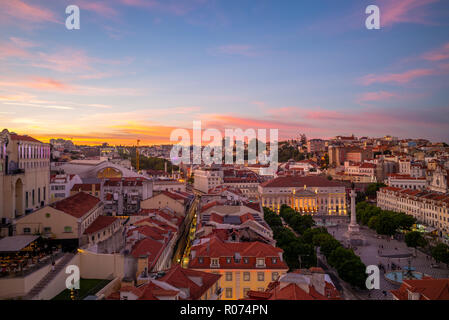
(406, 273)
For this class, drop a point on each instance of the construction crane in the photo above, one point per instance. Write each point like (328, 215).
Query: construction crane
(137, 155)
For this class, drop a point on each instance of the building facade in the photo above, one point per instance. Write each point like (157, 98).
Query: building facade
(24, 175)
(309, 194)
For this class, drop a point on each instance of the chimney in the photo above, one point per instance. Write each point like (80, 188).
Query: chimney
(319, 283)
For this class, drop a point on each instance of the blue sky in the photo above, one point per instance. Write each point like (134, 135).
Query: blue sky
(138, 69)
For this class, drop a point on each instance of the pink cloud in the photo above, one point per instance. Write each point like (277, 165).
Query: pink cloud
(13, 10)
(404, 11)
(375, 96)
(437, 55)
(67, 60)
(100, 8)
(397, 77)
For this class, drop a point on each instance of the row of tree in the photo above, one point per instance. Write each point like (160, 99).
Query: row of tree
(383, 221)
(349, 266)
(295, 249)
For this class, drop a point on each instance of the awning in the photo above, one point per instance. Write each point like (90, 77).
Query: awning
(15, 243)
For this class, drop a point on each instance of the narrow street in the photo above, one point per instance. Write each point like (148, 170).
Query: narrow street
(183, 246)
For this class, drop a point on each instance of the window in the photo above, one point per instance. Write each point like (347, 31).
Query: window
(245, 260)
(228, 276)
(67, 229)
(246, 276)
(245, 292)
(228, 260)
(274, 276)
(229, 293)
(260, 276)
(47, 215)
(261, 289)
(274, 260)
(214, 262)
(260, 262)
(47, 229)
(26, 230)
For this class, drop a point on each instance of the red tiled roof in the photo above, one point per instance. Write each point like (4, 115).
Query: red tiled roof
(136, 291)
(368, 166)
(180, 278)
(100, 223)
(23, 138)
(85, 187)
(149, 232)
(217, 248)
(149, 248)
(77, 205)
(429, 289)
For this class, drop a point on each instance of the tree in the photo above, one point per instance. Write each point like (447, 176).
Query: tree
(371, 190)
(309, 235)
(353, 271)
(329, 245)
(415, 239)
(441, 253)
(339, 256)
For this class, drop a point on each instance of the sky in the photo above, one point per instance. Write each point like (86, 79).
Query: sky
(139, 69)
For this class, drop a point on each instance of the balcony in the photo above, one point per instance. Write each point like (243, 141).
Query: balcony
(15, 171)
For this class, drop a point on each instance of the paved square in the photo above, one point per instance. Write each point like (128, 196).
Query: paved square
(370, 256)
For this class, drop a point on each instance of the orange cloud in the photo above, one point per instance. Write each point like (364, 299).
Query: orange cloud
(39, 83)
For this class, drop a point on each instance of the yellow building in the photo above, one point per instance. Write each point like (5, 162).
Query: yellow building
(306, 194)
(243, 266)
(24, 175)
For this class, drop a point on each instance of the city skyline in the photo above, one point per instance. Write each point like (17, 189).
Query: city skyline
(140, 69)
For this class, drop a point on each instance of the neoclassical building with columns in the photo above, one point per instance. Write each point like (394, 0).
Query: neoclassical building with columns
(308, 195)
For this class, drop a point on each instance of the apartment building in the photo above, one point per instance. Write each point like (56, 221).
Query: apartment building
(428, 207)
(406, 182)
(61, 185)
(207, 178)
(243, 266)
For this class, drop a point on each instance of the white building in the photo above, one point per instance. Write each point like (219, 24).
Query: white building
(406, 182)
(61, 184)
(429, 208)
(207, 178)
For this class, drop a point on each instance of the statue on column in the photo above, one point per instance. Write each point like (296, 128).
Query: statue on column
(353, 235)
